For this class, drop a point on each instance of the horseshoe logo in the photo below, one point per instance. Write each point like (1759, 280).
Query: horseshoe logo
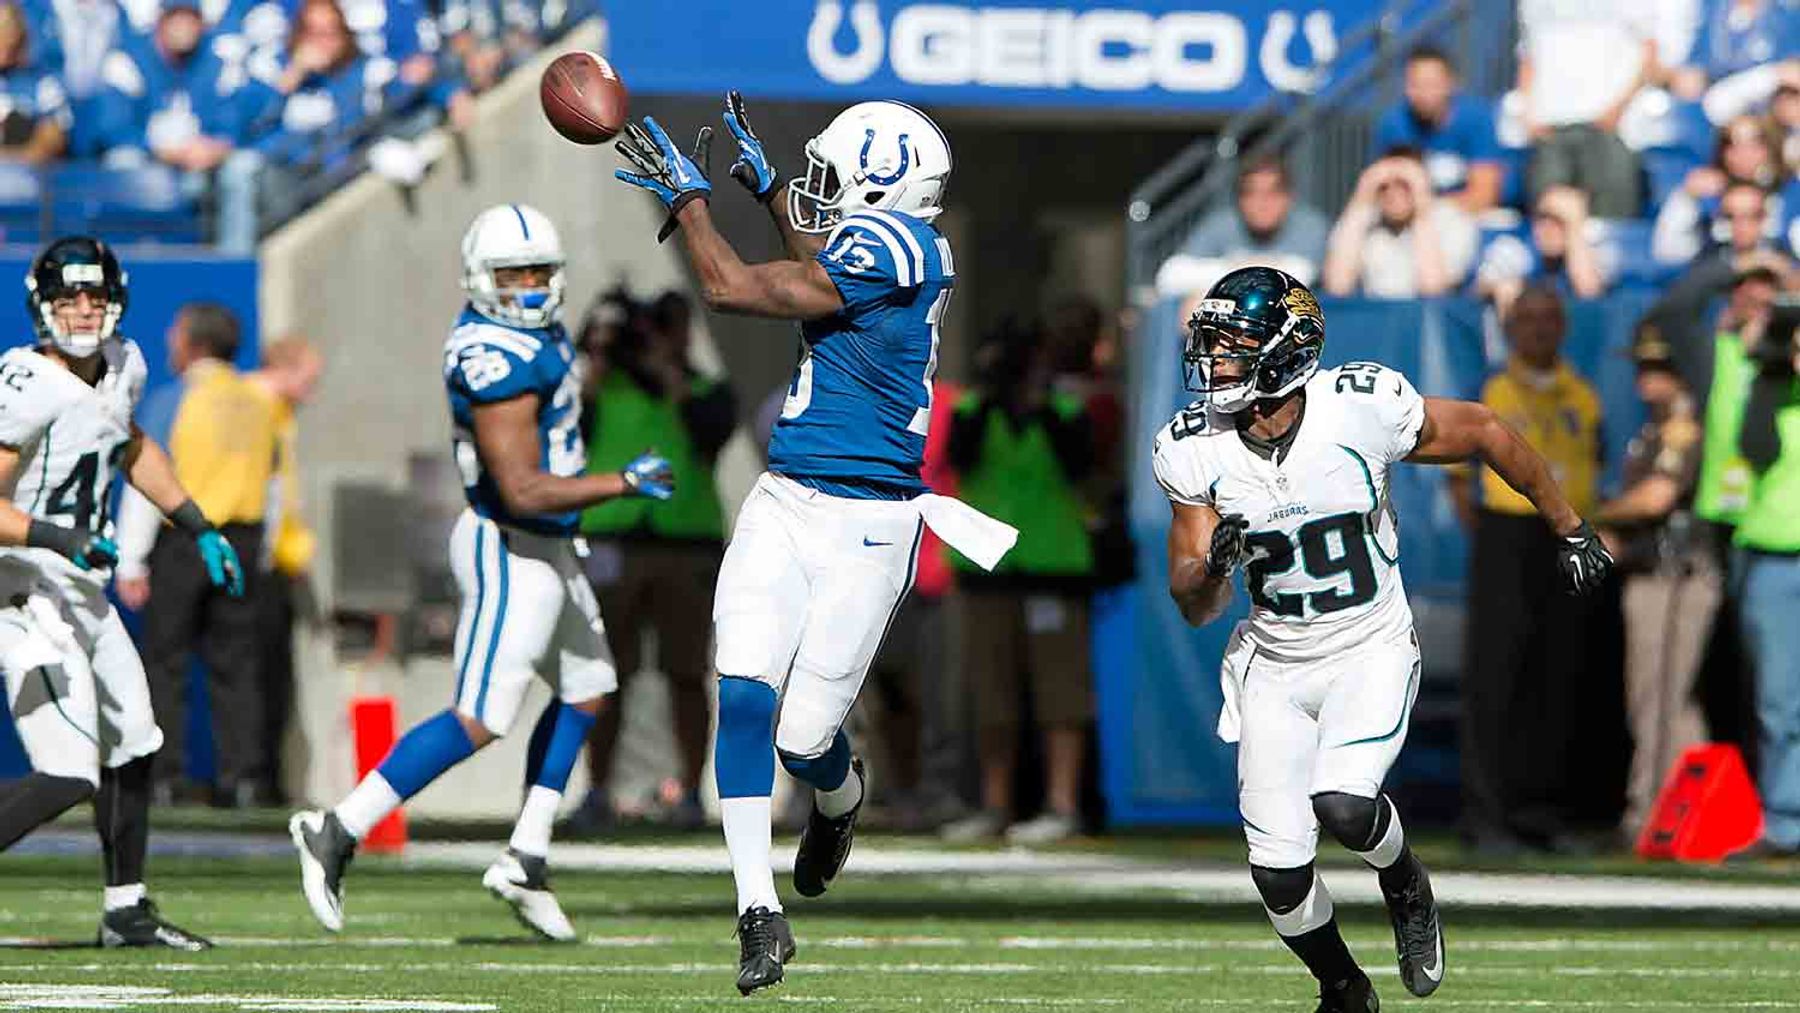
(894, 177)
(1283, 74)
(858, 65)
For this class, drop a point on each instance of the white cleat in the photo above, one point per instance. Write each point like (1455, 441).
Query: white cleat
(523, 881)
(326, 849)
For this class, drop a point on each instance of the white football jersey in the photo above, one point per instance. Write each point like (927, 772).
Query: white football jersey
(1322, 551)
(70, 437)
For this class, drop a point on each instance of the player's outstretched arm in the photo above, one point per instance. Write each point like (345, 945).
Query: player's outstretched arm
(1459, 430)
(149, 470)
(1204, 549)
(506, 436)
(783, 289)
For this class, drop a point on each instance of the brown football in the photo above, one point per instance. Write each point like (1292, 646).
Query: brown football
(583, 97)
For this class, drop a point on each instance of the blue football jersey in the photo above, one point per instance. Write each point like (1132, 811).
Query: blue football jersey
(859, 406)
(487, 361)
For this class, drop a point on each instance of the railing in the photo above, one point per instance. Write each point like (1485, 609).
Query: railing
(1329, 127)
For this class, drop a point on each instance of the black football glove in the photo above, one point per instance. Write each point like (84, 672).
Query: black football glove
(1226, 552)
(88, 550)
(1583, 560)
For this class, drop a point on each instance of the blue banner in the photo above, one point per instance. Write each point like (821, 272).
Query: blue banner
(1158, 678)
(1173, 55)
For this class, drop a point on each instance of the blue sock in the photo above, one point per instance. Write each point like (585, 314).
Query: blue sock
(744, 749)
(561, 731)
(432, 747)
(827, 771)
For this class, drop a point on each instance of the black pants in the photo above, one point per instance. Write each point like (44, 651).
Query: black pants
(186, 614)
(275, 611)
(1535, 667)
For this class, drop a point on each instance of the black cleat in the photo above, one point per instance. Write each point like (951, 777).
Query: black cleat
(142, 925)
(326, 849)
(1353, 995)
(1418, 932)
(765, 944)
(825, 843)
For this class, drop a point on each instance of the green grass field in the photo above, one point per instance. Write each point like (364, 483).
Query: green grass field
(433, 940)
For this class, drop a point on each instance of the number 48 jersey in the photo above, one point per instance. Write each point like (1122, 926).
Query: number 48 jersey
(1322, 551)
(70, 437)
(486, 361)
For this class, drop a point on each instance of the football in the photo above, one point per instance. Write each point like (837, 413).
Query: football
(583, 97)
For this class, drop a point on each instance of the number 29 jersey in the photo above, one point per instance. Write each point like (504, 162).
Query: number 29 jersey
(486, 362)
(860, 402)
(70, 437)
(1322, 552)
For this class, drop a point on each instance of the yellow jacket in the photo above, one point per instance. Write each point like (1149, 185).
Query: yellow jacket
(1561, 420)
(223, 441)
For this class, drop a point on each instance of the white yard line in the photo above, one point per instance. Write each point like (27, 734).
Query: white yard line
(1110, 874)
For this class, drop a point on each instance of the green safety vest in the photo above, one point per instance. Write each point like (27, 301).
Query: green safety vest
(1018, 480)
(1723, 490)
(630, 421)
(1771, 522)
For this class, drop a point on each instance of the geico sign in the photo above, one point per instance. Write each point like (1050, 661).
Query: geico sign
(1027, 47)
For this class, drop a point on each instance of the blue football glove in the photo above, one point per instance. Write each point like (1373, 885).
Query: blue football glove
(753, 168)
(649, 475)
(222, 567)
(96, 552)
(663, 170)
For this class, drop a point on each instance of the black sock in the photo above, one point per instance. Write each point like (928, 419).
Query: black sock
(122, 816)
(34, 800)
(1401, 874)
(1323, 952)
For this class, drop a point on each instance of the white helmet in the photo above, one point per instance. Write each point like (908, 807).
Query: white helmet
(883, 155)
(512, 235)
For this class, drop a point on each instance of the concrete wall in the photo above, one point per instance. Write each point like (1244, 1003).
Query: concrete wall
(372, 276)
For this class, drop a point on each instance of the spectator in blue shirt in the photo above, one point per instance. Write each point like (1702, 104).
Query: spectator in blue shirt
(1738, 35)
(401, 33)
(171, 99)
(34, 111)
(1557, 251)
(325, 90)
(1455, 132)
(1742, 50)
(1748, 151)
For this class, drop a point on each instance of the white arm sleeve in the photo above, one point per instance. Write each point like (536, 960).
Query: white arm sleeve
(137, 527)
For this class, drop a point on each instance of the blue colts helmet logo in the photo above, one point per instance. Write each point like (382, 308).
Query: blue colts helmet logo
(890, 180)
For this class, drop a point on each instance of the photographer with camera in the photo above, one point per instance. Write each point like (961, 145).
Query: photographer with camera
(653, 562)
(1768, 532)
(1022, 449)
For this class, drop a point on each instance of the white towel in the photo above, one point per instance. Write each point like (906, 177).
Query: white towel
(967, 530)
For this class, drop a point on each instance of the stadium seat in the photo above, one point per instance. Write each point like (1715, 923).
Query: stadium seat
(145, 204)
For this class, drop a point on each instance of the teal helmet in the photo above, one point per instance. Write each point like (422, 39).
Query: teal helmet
(1257, 335)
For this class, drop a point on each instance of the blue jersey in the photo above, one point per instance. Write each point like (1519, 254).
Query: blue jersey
(859, 406)
(486, 361)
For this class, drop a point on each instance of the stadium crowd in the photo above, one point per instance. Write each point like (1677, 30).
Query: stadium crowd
(244, 98)
(1649, 147)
